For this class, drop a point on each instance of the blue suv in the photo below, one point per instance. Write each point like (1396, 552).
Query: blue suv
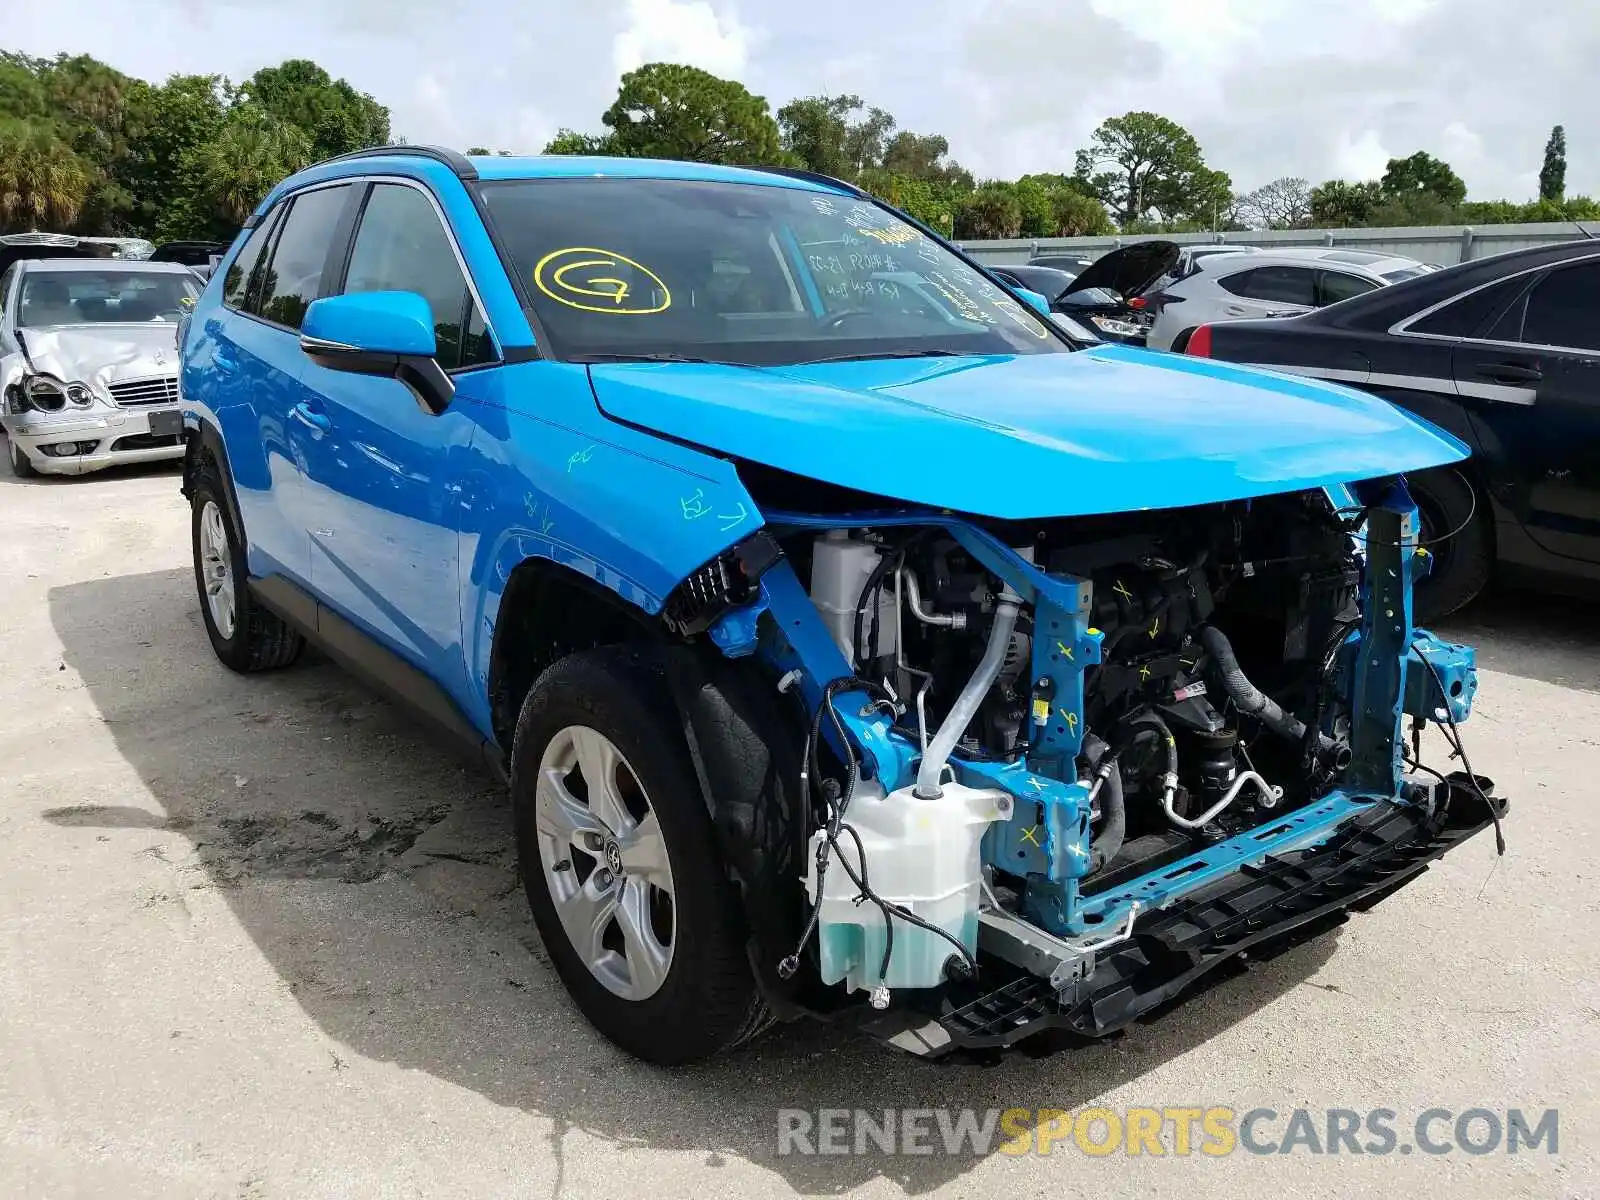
(854, 643)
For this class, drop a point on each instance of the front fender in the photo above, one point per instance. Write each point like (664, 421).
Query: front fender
(548, 476)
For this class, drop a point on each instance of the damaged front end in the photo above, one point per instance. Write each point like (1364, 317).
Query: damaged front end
(1057, 771)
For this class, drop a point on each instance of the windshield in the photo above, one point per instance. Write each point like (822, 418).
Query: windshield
(744, 273)
(94, 297)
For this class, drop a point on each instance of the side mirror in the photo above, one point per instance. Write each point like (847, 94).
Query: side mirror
(1035, 301)
(386, 334)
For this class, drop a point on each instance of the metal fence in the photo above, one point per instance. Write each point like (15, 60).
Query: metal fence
(1442, 244)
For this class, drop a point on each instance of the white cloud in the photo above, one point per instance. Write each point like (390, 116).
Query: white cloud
(691, 33)
(1318, 88)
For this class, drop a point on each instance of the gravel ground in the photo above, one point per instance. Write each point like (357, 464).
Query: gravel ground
(259, 938)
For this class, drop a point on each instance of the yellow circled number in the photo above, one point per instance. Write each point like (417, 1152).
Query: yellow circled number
(587, 278)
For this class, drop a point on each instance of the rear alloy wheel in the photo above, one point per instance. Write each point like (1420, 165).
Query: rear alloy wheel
(620, 863)
(244, 635)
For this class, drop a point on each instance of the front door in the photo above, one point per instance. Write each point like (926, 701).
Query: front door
(1532, 384)
(382, 501)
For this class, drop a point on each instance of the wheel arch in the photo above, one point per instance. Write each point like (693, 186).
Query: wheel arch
(201, 441)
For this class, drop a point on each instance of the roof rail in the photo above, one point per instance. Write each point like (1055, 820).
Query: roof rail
(454, 159)
(811, 177)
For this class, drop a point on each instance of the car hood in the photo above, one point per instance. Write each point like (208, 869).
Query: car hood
(1130, 270)
(1109, 429)
(102, 354)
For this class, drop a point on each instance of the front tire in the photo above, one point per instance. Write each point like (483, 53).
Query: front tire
(619, 861)
(244, 635)
(1455, 531)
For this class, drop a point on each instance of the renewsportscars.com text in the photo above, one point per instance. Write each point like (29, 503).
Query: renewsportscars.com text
(1212, 1131)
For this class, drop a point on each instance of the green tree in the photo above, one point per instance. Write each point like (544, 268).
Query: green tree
(991, 211)
(1077, 215)
(22, 92)
(336, 117)
(1338, 204)
(231, 172)
(934, 204)
(42, 182)
(1553, 174)
(1038, 208)
(1422, 175)
(924, 156)
(568, 141)
(825, 134)
(667, 110)
(178, 117)
(1142, 163)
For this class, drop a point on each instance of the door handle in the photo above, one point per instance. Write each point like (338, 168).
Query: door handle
(1234, 310)
(315, 418)
(1511, 373)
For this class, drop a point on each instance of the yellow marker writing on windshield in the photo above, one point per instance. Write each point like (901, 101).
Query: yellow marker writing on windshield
(590, 279)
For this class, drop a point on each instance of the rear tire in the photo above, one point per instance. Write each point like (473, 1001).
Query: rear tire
(1456, 533)
(21, 467)
(245, 636)
(1181, 342)
(580, 848)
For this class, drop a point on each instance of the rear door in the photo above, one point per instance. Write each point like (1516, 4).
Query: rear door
(1531, 380)
(1279, 291)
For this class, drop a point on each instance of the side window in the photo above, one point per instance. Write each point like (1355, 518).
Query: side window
(1334, 286)
(1561, 309)
(400, 246)
(1238, 284)
(293, 277)
(1280, 285)
(237, 281)
(1464, 317)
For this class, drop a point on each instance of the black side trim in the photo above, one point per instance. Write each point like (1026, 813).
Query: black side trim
(208, 439)
(812, 177)
(1261, 909)
(454, 159)
(376, 665)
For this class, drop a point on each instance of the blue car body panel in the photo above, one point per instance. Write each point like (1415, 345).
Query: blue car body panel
(1112, 429)
(411, 525)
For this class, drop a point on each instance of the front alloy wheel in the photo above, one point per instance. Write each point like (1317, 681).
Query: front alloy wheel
(605, 862)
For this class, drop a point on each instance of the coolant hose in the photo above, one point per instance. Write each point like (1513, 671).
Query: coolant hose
(966, 705)
(1107, 790)
(1250, 699)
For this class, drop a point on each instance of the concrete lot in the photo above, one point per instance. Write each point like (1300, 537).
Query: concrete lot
(258, 938)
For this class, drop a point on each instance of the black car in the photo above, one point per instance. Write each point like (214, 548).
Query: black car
(1108, 294)
(1503, 352)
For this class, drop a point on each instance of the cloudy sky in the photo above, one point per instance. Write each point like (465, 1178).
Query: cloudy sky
(1318, 88)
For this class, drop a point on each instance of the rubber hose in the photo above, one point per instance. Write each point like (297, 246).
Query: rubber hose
(1114, 813)
(1250, 699)
(966, 705)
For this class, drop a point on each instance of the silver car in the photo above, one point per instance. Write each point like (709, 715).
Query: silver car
(89, 362)
(1278, 283)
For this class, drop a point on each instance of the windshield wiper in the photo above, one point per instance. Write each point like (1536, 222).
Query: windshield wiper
(867, 356)
(643, 356)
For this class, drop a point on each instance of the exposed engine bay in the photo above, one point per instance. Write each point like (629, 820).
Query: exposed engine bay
(1044, 730)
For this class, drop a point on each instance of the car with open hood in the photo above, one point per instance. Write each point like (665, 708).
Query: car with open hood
(855, 645)
(89, 362)
(1108, 294)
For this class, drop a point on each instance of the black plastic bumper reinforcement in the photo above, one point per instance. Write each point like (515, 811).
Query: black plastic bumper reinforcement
(1265, 908)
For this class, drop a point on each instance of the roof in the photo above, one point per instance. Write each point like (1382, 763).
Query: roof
(1368, 259)
(1216, 264)
(432, 162)
(103, 266)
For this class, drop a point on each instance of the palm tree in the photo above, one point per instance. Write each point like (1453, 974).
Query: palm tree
(241, 164)
(42, 182)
